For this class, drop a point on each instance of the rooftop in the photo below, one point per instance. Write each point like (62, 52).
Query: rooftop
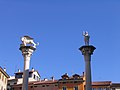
(4, 72)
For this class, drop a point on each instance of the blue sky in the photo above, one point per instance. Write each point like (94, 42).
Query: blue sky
(57, 25)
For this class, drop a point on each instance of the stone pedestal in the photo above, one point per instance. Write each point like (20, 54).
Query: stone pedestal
(87, 51)
(26, 52)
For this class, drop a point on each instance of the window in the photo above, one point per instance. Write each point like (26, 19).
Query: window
(105, 88)
(8, 84)
(47, 85)
(18, 76)
(64, 88)
(43, 85)
(100, 88)
(5, 80)
(20, 88)
(35, 86)
(64, 82)
(30, 74)
(75, 81)
(0, 75)
(94, 89)
(15, 83)
(34, 76)
(76, 88)
(2, 78)
(112, 89)
(56, 85)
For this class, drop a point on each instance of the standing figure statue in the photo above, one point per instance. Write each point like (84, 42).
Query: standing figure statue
(86, 37)
(28, 40)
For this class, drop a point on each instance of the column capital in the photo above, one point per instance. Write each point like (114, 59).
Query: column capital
(87, 49)
(27, 50)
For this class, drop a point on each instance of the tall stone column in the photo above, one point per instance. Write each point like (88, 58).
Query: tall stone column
(87, 50)
(26, 52)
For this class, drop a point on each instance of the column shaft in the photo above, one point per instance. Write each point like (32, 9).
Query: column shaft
(26, 72)
(88, 72)
(87, 51)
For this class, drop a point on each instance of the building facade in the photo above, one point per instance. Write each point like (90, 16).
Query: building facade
(115, 86)
(74, 82)
(39, 85)
(18, 78)
(105, 85)
(3, 79)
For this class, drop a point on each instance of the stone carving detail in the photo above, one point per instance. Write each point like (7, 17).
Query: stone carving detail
(28, 40)
(86, 37)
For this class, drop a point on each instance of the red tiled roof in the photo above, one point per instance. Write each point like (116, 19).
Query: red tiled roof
(46, 82)
(40, 82)
(99, 83)
(31, 82)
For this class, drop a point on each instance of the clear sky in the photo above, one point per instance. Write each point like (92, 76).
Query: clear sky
(57, 25)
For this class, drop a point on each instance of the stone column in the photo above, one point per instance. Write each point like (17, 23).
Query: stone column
(87, 50)
(26, 52)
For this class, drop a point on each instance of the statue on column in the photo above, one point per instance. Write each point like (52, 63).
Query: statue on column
(86, 37)
(28, 40)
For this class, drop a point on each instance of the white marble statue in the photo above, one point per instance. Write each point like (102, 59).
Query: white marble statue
(86, 37)
(28, 40)
(85, 33)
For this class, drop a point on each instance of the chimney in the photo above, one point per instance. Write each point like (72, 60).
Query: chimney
(4, 69)
(83, 73)
(66, 74)
(45, 79)
(18, 70)
(33, 69)
(52, 78)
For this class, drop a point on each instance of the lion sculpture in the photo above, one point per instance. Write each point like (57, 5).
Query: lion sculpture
(28, 40)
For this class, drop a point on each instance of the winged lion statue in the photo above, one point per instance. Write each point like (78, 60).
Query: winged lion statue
(28, 40)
